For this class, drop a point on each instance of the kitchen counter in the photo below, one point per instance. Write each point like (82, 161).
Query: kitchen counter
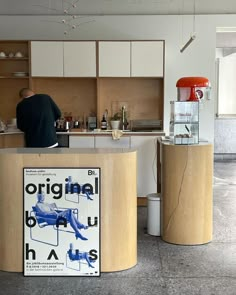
(93, 133)
(143, 142)
(118, 202)
(11, 139)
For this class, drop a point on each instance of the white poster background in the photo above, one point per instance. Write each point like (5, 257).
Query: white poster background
(43, 259)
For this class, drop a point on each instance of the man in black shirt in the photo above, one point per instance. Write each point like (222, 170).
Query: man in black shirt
(36, 115)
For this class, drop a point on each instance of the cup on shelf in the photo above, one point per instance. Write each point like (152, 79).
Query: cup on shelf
(11, 54)
(18, 54)
(2, 54)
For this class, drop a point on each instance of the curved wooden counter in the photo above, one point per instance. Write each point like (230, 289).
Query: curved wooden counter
(118, 201)
(187, 173)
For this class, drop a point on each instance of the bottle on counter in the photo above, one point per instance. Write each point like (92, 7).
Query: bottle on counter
(104, 123)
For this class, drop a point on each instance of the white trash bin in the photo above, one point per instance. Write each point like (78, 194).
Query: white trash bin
(153, 214)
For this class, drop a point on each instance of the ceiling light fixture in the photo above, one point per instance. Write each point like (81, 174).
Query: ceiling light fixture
(70, 17)
(187, 43)
(193, 35)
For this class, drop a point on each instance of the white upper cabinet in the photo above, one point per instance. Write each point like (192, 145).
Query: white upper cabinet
(80, 59)
(147, 58)
(131, 59)
(63, 59)
(114, 59)
(46, 59)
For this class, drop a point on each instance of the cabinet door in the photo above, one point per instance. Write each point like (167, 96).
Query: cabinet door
(46, 59)
(79, 59)
(147, 58)
(108, 142)
(114, 59)
(147, 164)
(81, 141)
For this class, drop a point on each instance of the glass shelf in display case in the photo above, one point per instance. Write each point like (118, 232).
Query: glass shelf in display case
(184, 122)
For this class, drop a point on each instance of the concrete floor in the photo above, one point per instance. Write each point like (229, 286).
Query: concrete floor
(162, 268)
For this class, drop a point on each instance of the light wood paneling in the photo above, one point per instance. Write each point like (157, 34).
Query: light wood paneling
(144, 97)
(1, 141)
(13, 140)
(158, 151)
(74, 95)
(118, 204)
(10, 96)
(187, 173)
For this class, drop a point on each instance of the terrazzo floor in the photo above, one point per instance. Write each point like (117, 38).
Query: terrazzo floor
(162, 268)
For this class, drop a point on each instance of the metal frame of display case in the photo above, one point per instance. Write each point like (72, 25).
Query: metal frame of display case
(184, 122)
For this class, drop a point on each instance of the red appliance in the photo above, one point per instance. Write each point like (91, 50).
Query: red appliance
(193, 88)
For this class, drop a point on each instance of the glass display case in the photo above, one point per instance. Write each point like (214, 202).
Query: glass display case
(184, 122)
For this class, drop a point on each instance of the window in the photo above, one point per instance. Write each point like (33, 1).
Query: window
(226, 82)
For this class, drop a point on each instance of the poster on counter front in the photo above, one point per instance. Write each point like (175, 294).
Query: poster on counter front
(61, 221)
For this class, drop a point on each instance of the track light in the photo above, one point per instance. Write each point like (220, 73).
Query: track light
(188, 43)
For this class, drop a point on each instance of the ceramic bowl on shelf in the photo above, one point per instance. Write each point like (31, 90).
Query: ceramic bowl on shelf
(2, 54)
(19, 54)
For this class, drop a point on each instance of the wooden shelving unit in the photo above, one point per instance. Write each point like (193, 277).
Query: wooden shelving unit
(82, 96)
(9, 83)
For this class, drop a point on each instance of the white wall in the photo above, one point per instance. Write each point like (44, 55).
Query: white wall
(197, 60)
(227, 85)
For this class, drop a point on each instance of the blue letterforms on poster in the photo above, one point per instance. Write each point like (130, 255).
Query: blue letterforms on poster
(61, 221)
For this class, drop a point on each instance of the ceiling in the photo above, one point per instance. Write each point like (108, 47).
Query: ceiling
(125, 7)
(116, 7)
